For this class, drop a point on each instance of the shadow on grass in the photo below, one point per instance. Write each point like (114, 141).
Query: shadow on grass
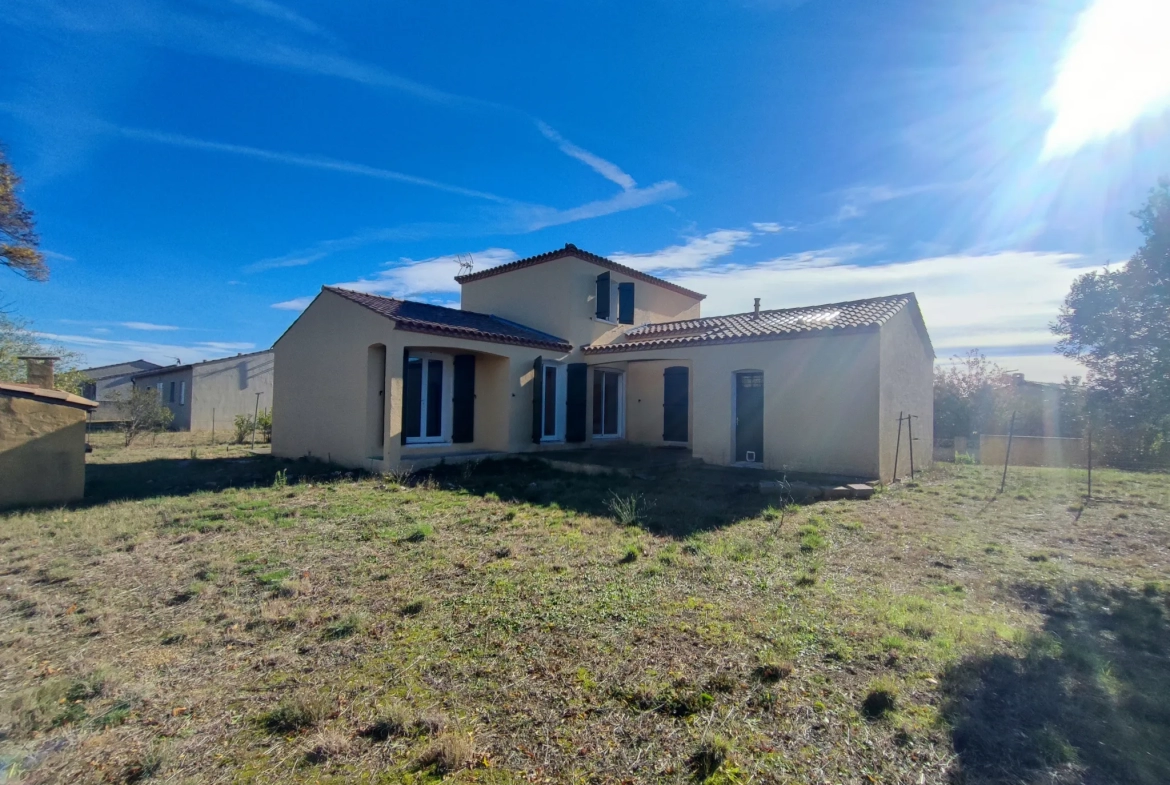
(676, 502)
(106, 482)
(1088, 702)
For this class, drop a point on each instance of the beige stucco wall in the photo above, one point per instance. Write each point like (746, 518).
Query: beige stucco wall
(907, 386)
(821, 400)
(228, 387)
(1032, 451)
(823, 410)
(559, 297)
(42, 452)
(182, 411)
(645, 388)
(321, 388)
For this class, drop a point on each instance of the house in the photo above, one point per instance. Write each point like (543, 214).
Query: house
(42, 440)
(208, 395)
(569, 350)
(108, 382)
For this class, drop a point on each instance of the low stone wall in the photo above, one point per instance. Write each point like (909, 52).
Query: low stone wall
(1032, 451)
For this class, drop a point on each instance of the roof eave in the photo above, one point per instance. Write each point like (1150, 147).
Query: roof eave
(616, 348)
(471, 335)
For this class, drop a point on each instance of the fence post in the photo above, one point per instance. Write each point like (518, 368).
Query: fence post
(213, 426)
(1090, 495)
(897, 449)
(254, 416)
(1007, 454)
(910, 441)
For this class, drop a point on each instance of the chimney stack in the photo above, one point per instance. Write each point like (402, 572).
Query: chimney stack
(40, 370)
(757, 306)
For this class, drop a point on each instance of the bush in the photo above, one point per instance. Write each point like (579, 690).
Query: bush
(244, 424)
(143, 411)
(264, 424)
(628, 510)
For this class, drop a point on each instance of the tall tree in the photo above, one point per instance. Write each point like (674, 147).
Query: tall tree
(18, 235)
(1117, 322)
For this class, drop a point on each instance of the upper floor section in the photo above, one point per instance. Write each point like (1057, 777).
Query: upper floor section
(576, 295)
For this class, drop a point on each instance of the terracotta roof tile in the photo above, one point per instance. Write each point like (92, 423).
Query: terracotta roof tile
(438, 320)
(572, 250)
(46, 395)
(830, 319)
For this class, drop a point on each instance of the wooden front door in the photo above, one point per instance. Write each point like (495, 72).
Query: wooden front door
(749, 416)
(675, 403)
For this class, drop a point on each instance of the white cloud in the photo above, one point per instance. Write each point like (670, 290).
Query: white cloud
(533, 218)
(410, 278)
(1115, 69)
(695, 252)
(307, 161)
(1003, 301)
(148, 326)
(295, 304)
(286, 15)
(107, 351)
(610, 171)
(769, 227)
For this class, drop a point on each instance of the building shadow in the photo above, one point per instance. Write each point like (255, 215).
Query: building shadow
(1087, 702)
(675, 501)
(106, 482)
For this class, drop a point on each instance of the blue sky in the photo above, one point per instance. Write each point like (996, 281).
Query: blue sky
(200, 169)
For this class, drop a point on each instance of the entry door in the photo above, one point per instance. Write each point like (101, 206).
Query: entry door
(749, 416)
(675, 404)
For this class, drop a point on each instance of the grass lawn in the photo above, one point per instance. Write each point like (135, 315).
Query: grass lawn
(216, 615)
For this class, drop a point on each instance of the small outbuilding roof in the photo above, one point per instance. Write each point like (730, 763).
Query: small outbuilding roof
(439, 320)
(45, 394)
(830, 319)
(572, 250)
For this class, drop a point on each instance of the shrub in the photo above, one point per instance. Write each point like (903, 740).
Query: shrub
(142, 412)
(244, 425)
(449, 753)
(628, 510)
(264, 424)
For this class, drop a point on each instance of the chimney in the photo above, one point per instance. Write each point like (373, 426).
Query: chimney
(757, 307)
(40, 370)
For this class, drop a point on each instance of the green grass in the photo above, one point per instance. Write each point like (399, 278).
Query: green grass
(196, 620)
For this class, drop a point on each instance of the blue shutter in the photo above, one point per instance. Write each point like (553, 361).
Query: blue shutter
(626, 303)
(603, 296)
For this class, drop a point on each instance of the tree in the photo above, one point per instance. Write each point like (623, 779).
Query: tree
(18, 235)
(1117, 323)
(17, 339)
(141, 412)
(969, 396)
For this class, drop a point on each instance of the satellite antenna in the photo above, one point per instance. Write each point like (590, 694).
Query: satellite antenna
(466, 263)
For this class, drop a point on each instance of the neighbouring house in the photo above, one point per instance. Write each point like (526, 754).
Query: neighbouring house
(108, 382)
(208, 395)
(571, 350)
(42, 440)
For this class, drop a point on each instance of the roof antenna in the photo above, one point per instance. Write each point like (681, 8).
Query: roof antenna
(466, 265)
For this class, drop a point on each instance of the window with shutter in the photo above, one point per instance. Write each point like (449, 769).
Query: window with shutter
(603, 287)
(625, 303)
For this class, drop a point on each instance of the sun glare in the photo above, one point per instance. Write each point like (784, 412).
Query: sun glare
(1115, 69)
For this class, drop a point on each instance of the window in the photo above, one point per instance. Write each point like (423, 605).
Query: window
(608, 404)
(172, 398)
(426, 404)
(553, 403)
(182, 393)
(615, 301)
(159, 388)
